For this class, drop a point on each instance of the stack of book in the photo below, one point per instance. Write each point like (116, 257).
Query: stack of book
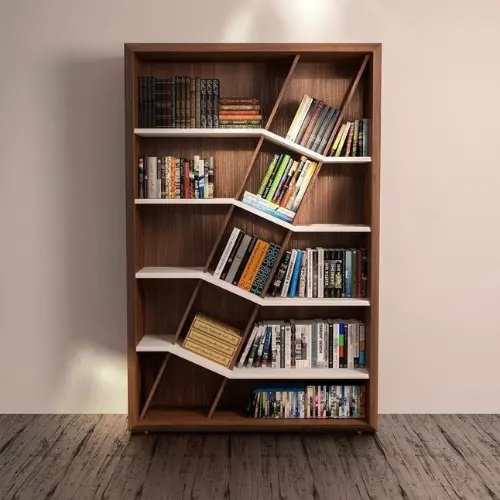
(239, 112)
(212, 340)
(351, 139)
(313, 124)
(247, 261)
(321, 273)
(283, 186)
(178, 102)
(305, 344)
(312, 401)
(171, 177)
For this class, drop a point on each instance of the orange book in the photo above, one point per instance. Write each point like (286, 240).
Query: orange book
(253, 265)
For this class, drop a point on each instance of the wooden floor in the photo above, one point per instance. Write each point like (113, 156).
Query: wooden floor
(93, 457)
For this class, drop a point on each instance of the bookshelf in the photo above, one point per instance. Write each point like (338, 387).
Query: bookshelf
(173, 245)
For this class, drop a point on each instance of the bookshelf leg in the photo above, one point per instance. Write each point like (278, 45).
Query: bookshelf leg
(217, 397)
(155, 386)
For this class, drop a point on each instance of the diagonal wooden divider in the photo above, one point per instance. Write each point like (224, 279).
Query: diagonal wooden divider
(286, 239)
(214, 249)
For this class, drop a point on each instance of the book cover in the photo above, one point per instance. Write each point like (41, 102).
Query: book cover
(203, 103)
(238, 258)
(265, 269)
(295, 274)
(215, 107)
(210, 103)
(244, 261)
(232, 255)
(253, 266)
(207, 353)
(275, 287)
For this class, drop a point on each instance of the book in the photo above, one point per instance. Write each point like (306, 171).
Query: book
(140, 173)
(278, 194)
(244, 261)
(297, 199)
(188, 102)
(203, 103)
(314, 118)
(277, 177)
(238, 107)
(267, 176)
(253, 265)
(192, 103)
(323, 113)
(301, 112)
(289, 272)
(278, 278)
(198, 103)
(238, 258)
(265, 269)
(215, 107)
(226, 252)
(295, 274)
(210, 103)
(268, 207)
(306, 121)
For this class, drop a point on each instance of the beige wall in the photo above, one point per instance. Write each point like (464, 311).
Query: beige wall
(62, 220)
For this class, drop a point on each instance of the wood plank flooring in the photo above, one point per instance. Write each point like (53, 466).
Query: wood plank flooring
(61, 457)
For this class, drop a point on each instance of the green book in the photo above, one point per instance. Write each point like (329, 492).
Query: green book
(270, 169)
(277, 177)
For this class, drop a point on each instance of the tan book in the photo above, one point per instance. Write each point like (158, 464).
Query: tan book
(219, 335)
(211, 343)
(207, 353)
(217, 324)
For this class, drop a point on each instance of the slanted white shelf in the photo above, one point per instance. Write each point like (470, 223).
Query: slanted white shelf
(197, 273)
(250, 132)
(164, 343)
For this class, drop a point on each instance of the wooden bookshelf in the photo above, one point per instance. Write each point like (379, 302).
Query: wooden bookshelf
(173, 245)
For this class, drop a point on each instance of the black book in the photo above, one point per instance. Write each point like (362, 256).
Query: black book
(281, 186)
(152, 102)
(203, 103)
(326, 273)
(183, 101)
(172, 102)
(344, 280)
(265, 269)
(215, 109)
(319, 123)
(307, 119)
(338, 277)
(364, 273)
(273, 175)
(168, 102)
(145, 176)
(181, 177)
(315, 273)
(160, 102)
(187, 110)
(210, 103)
(147, 101)
(177, 102)
(231, 255)
(322, 129)
(361, 133)
(140, 172)
(277, 283)
(328, 132)
(244, 260)
(140, 96)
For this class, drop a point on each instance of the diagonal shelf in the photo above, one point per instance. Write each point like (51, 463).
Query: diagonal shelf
(197, 273)
(164, 343)
(250, 132)
(184, 201)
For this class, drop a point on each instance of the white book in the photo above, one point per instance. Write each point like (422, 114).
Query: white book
(303, 187)
(273, 346)
(201, 176)
(227, 250)
(309, 345)
(152, 180)
(301, 118)
(350, 346)
(249, 344)
(289, 273)
(296, 118)
(303, 275)
(309, 276)
(260, 350)
(255, 346)
(288, 345)
(356, 340)
(158, 177)
(321, 272)
(321, 345)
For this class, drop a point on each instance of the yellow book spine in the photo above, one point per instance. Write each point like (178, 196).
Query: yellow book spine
(211, 343)
(217, 324)
(221, 359)
(252, 268)
(219, 335)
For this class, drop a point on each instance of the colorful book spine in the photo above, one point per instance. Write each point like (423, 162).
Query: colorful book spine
(244, 261)
(253, 265)
(295, 274)
(281, 185)
(276, 285)
(203, 103)
(277, 177)
(312, 123)
(210, 103)
(140, 183)
(302, 191)
(289, 272)
(227, 250)
(265, 269)
(268, 174)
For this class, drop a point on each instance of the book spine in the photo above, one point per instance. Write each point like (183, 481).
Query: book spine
(181, 178)
(246, 350)
(260, 351)
(354, 274)
(322, 147)
(188, 102)
(312, 123)
(290, 135)
(293, 346)
(227, 250)
(275, 287)
(238, 258)
(315, 273)
(277, 211)
(285, 192)
(207, 353)
(215, 107)
(244, 261)
(197, 102)
(330, 344)
(303, 188)
(186, 183)
(163, 177)
(253, 265)
(282, 345)
(288, 347)
(265, 269)
(192, 103)
(301, 174)
(336, 142)
(362, 343)
(277, 339)
(269, 171)
(255, 346)
(210, 185)
(177, 94)
(267, 344)
(321, 271)
(173, 178)
(158, 103)
(233, 121)
(303, 275)
(140, 100)
(340, 147)
(317, 126)
(307, 120)
(309, 277)
(279, 173)
(296, 133)
(210, 103)
(365, 136)
(349, 140)
(152, 186)
(322, 129)
(279, 190)
(350, 347)
(356, 345)
(295, 274)
(237, 107)
(140, 180)
(201, 177)
(288, 275)
(184, 103)
(203, 103)
(355, 138)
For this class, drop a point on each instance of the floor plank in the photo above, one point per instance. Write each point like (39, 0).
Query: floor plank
(11, 427)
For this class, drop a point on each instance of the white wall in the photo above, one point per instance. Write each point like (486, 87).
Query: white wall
(62, 217)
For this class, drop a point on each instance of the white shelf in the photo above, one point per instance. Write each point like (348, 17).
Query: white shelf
(197, 273)
(185, 201)
(164, 343)
(250, 132)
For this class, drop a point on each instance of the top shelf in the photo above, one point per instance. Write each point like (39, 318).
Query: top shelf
(250, 132)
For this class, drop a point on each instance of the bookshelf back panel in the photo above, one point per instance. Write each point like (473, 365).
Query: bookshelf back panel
(180, 235)
(231, 157)
(337, 196)
(328, 240)
(164, 304)
(260, 79)
(326, 81)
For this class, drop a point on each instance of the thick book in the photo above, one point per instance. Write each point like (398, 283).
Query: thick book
(278, 278)
(290, 135)
(210, 103)
(295, 274)
(264, 272)
(303, 188)
(240, 253)
(152, 184)
(192, 103)
(203, 103)
(245, 259)
(226, 252)
(215, 106)
(349, 140)
(253, 265)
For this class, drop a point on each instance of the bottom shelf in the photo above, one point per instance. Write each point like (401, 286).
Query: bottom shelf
(158, 419)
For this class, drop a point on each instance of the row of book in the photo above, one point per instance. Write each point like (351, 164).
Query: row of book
(240, 112)
(305, 344)
(178, 102)
(321, 273)
(212, 340)
(283, 186)
(351, 139)
(247, 261)
(312, 401)
(171, 177)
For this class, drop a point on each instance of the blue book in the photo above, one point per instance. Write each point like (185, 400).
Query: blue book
(348, 273)
(266, 210)
(295, 274)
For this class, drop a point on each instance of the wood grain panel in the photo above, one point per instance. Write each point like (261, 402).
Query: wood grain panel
(231, 156)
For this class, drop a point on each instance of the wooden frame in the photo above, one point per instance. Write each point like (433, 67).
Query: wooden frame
(167, 390)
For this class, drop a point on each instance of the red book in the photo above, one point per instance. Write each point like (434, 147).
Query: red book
(187, 190)
(312, 123)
